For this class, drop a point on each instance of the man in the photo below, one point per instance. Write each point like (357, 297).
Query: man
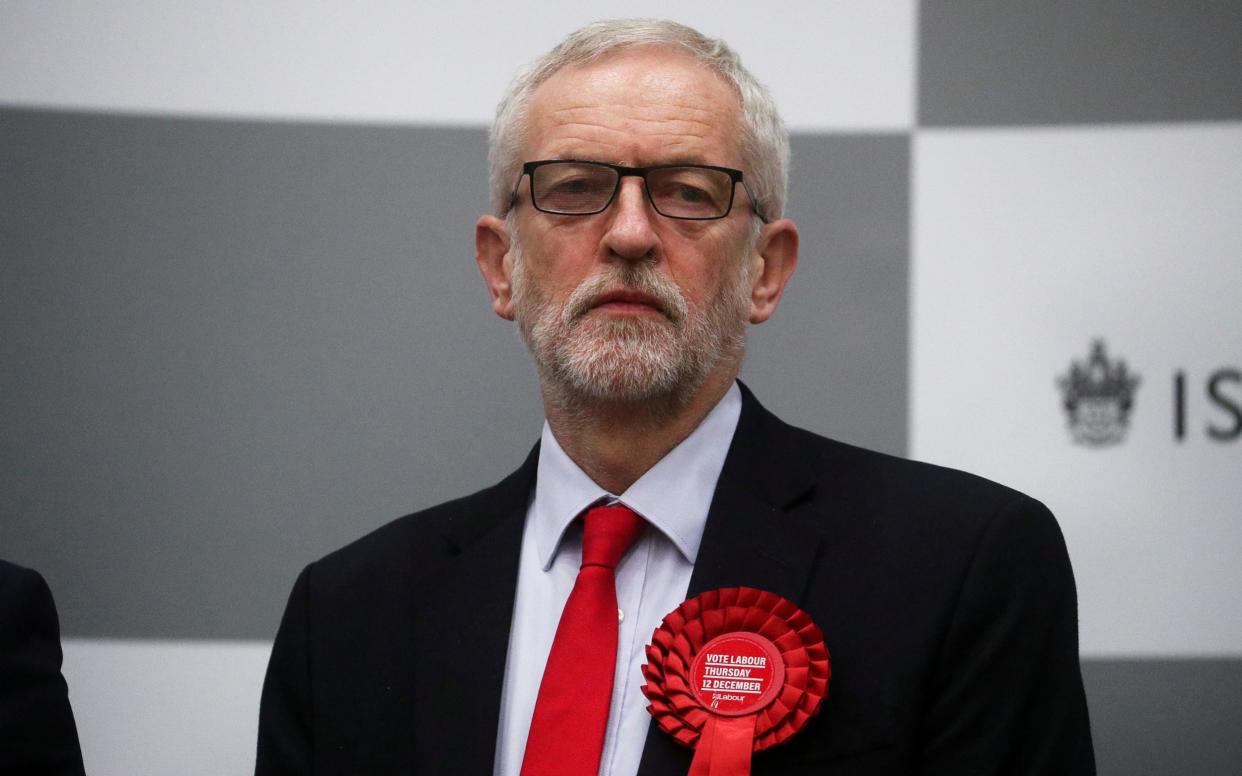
(38, 736)
(638, 180)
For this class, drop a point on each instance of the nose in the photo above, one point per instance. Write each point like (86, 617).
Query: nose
(631, 231)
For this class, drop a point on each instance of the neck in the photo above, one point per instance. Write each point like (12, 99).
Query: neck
(616, 442)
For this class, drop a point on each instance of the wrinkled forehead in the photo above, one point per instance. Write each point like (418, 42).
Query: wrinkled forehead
(638, 102)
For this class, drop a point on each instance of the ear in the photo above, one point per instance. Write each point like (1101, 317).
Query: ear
(777, 255)
(491, 251)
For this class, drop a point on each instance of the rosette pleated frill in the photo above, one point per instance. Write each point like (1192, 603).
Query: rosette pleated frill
(680, 709)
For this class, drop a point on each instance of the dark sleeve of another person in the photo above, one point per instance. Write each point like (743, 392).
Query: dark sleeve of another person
(37, 732)
(1007, 696)
(285, 743)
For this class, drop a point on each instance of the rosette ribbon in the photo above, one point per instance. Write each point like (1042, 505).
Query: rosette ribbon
(735, 671)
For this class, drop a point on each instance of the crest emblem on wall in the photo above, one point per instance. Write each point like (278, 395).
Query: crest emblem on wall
(1098, 396)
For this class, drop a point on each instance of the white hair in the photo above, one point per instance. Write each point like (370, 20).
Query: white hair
(765, 143)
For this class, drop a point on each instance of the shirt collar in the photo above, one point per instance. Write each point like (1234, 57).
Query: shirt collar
(674, 495)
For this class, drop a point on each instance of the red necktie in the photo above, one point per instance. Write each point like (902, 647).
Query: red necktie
(571, 713)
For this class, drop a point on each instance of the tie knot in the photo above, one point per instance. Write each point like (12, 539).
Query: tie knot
(608, 531)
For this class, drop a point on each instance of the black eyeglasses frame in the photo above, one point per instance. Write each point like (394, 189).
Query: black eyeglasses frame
(622, 171)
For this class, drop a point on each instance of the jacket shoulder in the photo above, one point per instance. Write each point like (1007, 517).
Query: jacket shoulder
(788, 460)
(424, 539)
(904, 510)
(24, 599)
(911, 514)
(891, 479)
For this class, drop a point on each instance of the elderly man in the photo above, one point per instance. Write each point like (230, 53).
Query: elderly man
(638, 178)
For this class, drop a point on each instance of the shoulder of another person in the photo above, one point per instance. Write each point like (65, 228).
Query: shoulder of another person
(23, 591)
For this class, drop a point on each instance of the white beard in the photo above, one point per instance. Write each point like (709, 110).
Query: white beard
(584, 357)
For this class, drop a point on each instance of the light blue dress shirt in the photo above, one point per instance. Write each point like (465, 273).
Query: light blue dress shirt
(673, 497)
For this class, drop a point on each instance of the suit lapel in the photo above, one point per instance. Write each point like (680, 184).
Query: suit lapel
(462, 618)
(754, 535)
(747, 541)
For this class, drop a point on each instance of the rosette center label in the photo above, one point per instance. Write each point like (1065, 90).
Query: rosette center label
(737, 673)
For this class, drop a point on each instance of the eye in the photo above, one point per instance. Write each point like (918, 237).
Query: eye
(692, 194)
(572, 186)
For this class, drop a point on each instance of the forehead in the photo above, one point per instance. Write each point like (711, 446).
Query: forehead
(640, 105)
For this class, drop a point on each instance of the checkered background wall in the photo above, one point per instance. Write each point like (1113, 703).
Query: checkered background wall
(242, 324)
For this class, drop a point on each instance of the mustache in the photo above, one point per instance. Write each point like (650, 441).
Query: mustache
(634, 278)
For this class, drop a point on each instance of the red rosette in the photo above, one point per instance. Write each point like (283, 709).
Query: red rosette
(740, 626)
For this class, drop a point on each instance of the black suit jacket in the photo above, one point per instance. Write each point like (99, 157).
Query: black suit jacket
(947, 603)
(37, 732)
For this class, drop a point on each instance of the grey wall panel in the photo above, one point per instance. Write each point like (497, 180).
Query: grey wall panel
(230, 348)
(1079, 61)
(1165, 717)
(834, 357)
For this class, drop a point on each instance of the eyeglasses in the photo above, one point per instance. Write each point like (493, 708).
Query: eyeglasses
(695, 192)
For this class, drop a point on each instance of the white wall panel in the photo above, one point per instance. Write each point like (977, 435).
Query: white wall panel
(154, 708)
(840, 64)
(1026, 245)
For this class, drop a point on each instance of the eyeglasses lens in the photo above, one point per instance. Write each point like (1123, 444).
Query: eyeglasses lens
(571, 188)
(690, 192)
